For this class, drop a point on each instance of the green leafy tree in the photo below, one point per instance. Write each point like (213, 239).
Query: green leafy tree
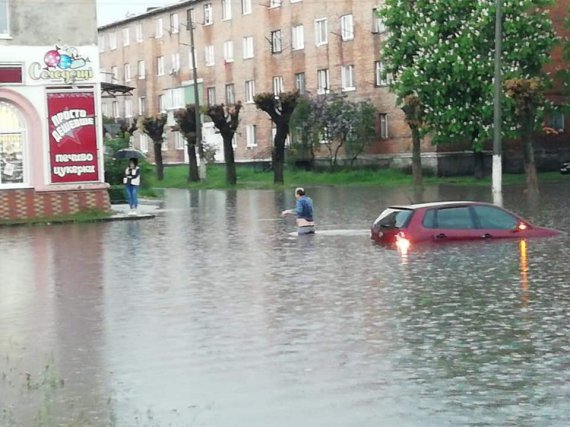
(363, 130)
(280, 109)
(226, 120)
(443, 52)
(186, 124)
(154, 128)
(414, 114)
(305, 138)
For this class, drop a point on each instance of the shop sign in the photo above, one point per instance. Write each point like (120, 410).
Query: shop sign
(64, 65)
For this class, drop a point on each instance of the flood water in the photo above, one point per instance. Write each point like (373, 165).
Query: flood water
(212, 314)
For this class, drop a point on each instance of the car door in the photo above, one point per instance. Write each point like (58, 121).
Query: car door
(452, 223)
(494, 222)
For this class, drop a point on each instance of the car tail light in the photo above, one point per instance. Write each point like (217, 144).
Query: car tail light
(402, 242)
(521, 226)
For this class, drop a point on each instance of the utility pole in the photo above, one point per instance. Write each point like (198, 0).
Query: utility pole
(497, 173)
(202, 167)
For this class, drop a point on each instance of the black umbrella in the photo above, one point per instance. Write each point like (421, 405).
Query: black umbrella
(129, 153)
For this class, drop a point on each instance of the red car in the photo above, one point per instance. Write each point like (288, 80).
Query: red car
(451, 221)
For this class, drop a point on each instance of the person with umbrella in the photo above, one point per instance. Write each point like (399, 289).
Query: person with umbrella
(132, 181)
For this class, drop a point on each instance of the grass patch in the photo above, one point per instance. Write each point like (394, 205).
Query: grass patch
(249, 178)
(89, 215)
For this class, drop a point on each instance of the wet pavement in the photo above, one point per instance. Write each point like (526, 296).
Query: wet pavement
(212, 314)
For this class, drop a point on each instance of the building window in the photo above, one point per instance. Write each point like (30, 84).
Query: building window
(159, 28)
(208, 14)
(275, 3)
(112, 41)
(229, 51)
(4, 18)
(143, 142)
(128, 108)
(115, 107)
(296, 1)
(383, 124)
(161, 104)
(191, 57)
(247, 47)
(142, 106)
(175, 63)
(277, 85)
(321, 31)
(139, 32)
(127, 72)
(300, 82)
(12, 144)
(381, 79)
(174, 27)
(114, 74)
(141, 70)
(226, 9)
(126, 36)
(347, 27)
(347, 77)
(190, 18)
(160, 66)
(230, 94)
(249, 90)
(250, 137)
(209, 55)
(556, 121)
(100, 42)
(378, 25)
(178, 141)
(276, 45)
(298, 37)
(211, 94)
(323, 83)
(246, 7)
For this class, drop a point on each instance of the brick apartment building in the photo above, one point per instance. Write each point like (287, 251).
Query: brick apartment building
(244, 47)
(50, 139)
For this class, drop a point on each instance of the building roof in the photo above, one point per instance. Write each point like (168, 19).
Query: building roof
(148, 13)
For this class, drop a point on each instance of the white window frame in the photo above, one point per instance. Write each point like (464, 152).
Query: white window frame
(229, 51)
(174, 23)
(246, 7)
(208, 14)
(100, 42)
(211, 95)
(143, 142)
(209, 56)
(127, 72)
(159, 28)
(347, 78)
(175, 57)
(128, 108)
(160, 65)
(161, 103)
(297, 37)
(249, 91)
(250, 136)
(191, 59)
(378, 26)
(321, 31)
(323, 76)
(139, 34)
(126, 34)
(113, 40)
(296, 1)
(379, 80)
(114, 73)
(226, 10)
(384, 129)
(248, 52)
(301, 78)
(278, 87)
(5, 33)
(141, 70)
(276, 42)
(142, 105)
(275, 3)
(230, 89)
(178, 141)
(347, 27)
(115, 109)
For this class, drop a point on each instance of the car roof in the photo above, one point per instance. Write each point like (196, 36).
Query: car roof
(437, 205)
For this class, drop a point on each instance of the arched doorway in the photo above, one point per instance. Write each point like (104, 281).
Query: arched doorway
(12, 145)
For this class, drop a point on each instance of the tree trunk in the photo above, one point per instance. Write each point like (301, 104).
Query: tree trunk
(416, 158)
(231, 175)
(479, 164)
(529, 161)
(278, 154)
(193, 163)
(158, 160)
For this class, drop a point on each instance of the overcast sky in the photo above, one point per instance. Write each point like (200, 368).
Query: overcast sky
(114, 10)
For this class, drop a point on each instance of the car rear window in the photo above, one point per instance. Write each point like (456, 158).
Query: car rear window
(393, 218)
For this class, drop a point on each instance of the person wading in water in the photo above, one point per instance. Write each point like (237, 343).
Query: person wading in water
(304, 212)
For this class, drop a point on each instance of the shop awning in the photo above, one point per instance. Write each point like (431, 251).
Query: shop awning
(111, 90)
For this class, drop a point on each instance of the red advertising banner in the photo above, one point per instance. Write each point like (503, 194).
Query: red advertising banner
(72, 137)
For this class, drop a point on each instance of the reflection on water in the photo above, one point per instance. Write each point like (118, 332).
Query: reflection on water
(214, 315)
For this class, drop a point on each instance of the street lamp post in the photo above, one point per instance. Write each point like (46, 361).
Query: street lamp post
(497, 173)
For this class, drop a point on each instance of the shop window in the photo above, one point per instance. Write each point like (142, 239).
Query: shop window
(12, 143)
